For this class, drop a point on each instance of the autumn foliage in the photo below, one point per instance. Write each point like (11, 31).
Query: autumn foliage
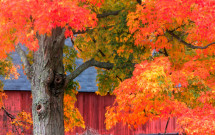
(23, 20)
(23, 120)
(158, 91)
(155, 18)
(182, 83)
(23, 23)
(173, 40)
(72, 116)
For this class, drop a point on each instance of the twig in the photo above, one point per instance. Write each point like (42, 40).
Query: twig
(108, 14)
(11, 118)
(188, 44)
(166, 125)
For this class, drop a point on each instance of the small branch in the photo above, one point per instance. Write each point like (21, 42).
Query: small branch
(98, 16)
(81, 31)
(8, 114)
(90, 29)
(25, 61)
(108, 14)
(188, 44)
(165, 52)
(139, 2)
(87, 64)
(166, 125)
(100, 51)
(11, 118)
(119, 78)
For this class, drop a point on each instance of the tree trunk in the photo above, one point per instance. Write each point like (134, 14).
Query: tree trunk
(47, 84)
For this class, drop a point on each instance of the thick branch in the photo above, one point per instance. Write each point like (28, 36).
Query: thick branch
(87, 64)
(108, 14)
(24, 59)
(188, 44)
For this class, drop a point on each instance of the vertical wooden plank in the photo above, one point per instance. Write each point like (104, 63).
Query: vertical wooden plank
(101, 102)
(95, 111)
(89, 110)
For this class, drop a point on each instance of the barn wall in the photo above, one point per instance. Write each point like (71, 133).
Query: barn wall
(91, 106)
(16, 102)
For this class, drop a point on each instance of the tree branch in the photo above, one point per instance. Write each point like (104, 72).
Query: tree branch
(90, 63)
(11, 118)
(139, 2)
(8, 114)
(87, 64)
(108, 14)
(81, 31)
(98, 16)
(164, 52)
(166, 125)
(188, 44)
(91, 29)
(24, 59)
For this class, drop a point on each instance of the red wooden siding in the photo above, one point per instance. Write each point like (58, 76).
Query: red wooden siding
(16, 102)
(92, 108)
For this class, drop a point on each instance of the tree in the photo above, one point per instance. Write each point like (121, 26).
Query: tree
(43, 25)
(113, 36)
(181, 84)
(40, 23)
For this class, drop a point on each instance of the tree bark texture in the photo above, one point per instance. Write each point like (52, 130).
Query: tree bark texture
(47, 85)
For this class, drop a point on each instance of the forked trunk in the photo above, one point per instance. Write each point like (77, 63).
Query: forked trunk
(47, 84)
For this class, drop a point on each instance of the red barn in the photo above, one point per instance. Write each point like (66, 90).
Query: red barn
(91, 106)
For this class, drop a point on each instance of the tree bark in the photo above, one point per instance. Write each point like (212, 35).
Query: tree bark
(47, 85)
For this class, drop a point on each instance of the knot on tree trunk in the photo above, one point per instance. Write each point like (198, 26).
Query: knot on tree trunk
(42, 107)
(59, 80)
(55, 83)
